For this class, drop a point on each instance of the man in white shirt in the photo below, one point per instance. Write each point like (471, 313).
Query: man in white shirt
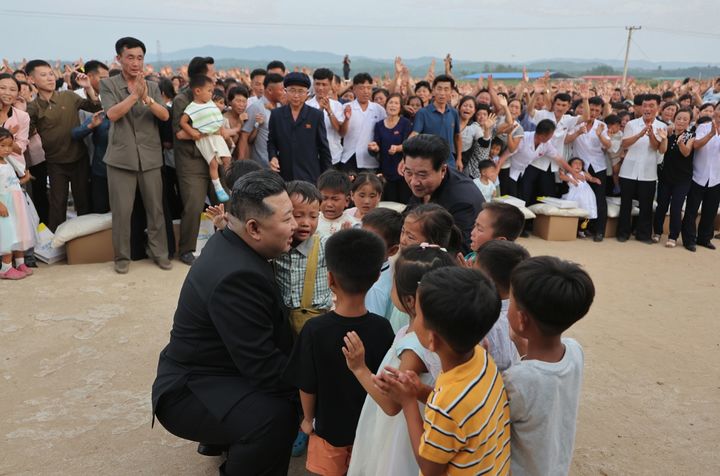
(533, 145)
(589, 142)
(645, 139)
(563, 121)
(332, 110)
(705, 186)
(361, 115)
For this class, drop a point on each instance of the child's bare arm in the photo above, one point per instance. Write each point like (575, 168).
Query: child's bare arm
(189, 130)
(308, 405)
(3, 210)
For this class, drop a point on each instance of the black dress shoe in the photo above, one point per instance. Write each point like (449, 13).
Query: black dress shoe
(524, 234)
(187, 258)
(691, 247)
(707, 245)
(598, 238)
(621, 239)
(211, 450)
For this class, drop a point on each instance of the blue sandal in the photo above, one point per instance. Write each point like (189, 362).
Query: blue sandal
(300, 444)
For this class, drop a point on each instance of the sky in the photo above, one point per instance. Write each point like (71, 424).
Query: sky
(512, 31)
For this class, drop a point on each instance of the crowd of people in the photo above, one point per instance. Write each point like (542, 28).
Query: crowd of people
(314, 318)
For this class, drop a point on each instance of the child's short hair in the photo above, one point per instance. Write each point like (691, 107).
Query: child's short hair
(6, 134)
(612, 119)
(305, 190)
(575, 159)
(486, 164)
(355, 257)
(218, 95)
(460, 305)
(414, 262)
(498, 258)
(438, 226)
(365, 178)
(508, 220)
(553, 292)
(387, 222)
(497, 142)
(334, 181)
(240, 168)
(199, 81)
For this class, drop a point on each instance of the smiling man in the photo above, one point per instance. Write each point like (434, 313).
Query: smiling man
(219, 378)
(431, 180)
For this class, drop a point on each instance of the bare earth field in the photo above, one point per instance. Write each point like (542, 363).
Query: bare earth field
(79, 347)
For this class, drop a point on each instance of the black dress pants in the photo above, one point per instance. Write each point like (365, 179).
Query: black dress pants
(537, 183)
(709, 197)
(259, 430)
(597, 226)
(645, 192)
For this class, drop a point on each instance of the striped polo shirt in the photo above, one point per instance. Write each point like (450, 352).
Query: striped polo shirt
(467, 420)
(206, 118)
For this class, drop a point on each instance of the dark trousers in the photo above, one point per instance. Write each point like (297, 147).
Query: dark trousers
(645, 192)
(350, 167)
(77, 175)
(670, 195)
(39, 192)
(259, 430)
(397, 191)
(709, 197)
(508, 186)
(193, 179)
(597, 226)
(99, 195)
(537, 183)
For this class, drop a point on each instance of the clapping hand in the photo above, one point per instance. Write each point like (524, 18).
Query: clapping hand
(402, 387)
(347, 112)
(600, 129)
(373, 147)
(217, 214)
(394, 149)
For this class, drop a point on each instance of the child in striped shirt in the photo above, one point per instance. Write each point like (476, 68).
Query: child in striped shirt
(207, 121)
(466, 426)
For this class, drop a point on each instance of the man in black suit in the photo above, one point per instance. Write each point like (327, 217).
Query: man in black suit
(297, 143)
(219, 379)
(432, 181)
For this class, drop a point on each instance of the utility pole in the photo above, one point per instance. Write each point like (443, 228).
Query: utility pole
(630, 30)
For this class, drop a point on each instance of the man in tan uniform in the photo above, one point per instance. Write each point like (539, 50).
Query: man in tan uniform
(134, 154)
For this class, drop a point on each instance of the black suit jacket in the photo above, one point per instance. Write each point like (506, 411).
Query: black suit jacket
(230, 335)
(461, 197)
(301, 146)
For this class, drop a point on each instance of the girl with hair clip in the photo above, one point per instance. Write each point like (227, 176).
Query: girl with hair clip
(382, 443)
(366, 191)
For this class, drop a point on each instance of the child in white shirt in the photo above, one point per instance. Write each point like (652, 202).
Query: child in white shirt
(487, 182)
(334, 187)
(580, 191)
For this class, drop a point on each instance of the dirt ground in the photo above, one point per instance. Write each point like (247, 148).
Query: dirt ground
(80, 345)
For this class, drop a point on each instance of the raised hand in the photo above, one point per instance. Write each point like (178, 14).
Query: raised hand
(97, 119)
(347, 112)
(600, 129)
(489, 122)
(354, 351)
(398, 66)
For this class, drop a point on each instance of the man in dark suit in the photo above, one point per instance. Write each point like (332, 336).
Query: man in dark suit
(432, 181)
(219, 379)
(297, 143)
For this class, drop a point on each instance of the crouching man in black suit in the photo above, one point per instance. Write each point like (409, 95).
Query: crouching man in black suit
(219, 378)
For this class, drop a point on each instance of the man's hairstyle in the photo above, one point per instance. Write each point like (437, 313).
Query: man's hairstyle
(199, 81)
(438, 226)
(355, 258)
(486, 164)
(128, 42)
(249, 192)
(10, 76)
(334, 181)
(596, 101)
(652, 97)
(387, 222)
(482, 107)
(257, 72)
(199, 65)
(18, 72)
(685, 97)
(612, 119)
(305, 190)
(460, 305)
(498, 259)
(553, 292)
(422, 84)
(240, 168)
(668, 95)
(412, 264)
(443, 78)
(93, 66)
(638, 99)
(508, 220)
(362, 78)
(564, 97)
(427, 146)
(323, 73)
(6, 134)
(275, 64)
(238, 91)
(32, 64)
(545, 127)
(272, 78)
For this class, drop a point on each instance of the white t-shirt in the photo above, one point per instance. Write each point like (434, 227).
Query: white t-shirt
(641, 160)
(502, 349)
(360, 133)
(328, 227)
(544, 400)
(488, 190)
(562, 127)
(333, 136)
(706, 163)
(589, 148)
(526, 154)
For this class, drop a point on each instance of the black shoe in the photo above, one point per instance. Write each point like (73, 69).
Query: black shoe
(707, 245)
(691, 247)
(524, 234)
(187, 258)
(717, 237)
(598, 238)
(647, 241)
(621, 239)
(211, 450)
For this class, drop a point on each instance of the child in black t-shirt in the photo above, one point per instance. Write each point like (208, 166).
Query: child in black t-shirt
(331, 396)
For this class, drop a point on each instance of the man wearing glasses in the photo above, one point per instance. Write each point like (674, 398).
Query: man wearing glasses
(432, 180)
(297, 143)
